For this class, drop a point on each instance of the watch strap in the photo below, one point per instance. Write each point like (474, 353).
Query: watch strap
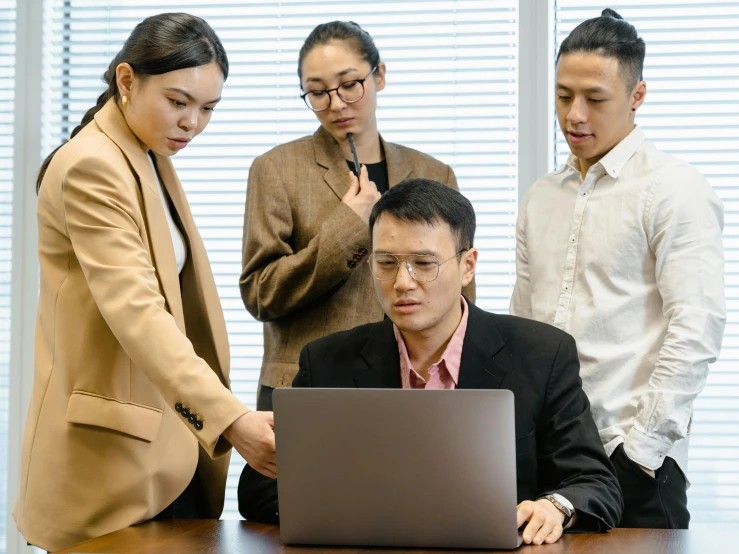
(561, 507)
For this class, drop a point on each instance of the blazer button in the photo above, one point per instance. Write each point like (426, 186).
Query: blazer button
(357, 258)
(363, 251)
(185, 412)
(351, 264)
(178, 407)
(192, 419)
(198, 425)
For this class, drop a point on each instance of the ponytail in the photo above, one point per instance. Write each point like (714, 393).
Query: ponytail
(110, 92)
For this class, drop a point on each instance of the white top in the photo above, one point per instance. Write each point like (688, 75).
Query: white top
(630, 262)
(178, 241)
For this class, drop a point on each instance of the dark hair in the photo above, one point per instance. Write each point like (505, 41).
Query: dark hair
(610, 36)
(159, 44)
(428, 201)
(340, 30)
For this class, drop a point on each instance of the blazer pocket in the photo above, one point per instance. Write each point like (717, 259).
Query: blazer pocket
(136, 420)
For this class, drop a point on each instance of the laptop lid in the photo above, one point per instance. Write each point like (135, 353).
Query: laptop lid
(380, 467)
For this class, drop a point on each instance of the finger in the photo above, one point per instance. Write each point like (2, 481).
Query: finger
(523, 512)
(555, 534)
(363, 178)
(544, 531)
(535, 523)
(268, 472)
(353, 185)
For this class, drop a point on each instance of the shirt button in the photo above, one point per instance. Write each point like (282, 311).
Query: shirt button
(572, 239)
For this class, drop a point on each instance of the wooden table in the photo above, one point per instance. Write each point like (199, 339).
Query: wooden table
(225, 537)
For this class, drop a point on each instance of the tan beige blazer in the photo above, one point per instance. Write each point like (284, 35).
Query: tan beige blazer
(119, 343)
(304, 271)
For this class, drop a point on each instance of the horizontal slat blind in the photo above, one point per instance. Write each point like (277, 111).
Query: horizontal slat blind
(7, 93)
(692, 111)
(452, 81)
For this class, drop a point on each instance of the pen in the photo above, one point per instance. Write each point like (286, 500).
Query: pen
(357, 167)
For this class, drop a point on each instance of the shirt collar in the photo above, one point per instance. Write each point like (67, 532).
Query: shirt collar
(452, 356)
(613, 162)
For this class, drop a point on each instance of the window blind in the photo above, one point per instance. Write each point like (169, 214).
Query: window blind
(7, 92)
(692, 111)
(451, 92)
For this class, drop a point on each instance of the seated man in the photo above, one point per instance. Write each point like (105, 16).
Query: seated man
(433, 338)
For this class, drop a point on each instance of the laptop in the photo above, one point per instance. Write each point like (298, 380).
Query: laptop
(394, 467)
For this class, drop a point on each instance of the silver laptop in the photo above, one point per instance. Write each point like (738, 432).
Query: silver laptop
(407, 468)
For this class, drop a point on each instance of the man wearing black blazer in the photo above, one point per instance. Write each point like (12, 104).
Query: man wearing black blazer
(422, 256)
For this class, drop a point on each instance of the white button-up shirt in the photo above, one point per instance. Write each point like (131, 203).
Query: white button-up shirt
(630, 262)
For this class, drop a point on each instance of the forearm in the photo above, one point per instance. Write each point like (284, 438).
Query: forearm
(665, 409)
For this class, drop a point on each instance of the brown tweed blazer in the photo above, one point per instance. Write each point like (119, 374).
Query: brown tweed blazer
(303, 273)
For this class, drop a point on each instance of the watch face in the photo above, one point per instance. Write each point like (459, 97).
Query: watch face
(565, 503)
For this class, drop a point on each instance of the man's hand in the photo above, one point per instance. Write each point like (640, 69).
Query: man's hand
(362, 194)
(545, 521)
(253, 436)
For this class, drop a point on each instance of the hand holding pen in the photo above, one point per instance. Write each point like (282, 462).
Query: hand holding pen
(362, 194)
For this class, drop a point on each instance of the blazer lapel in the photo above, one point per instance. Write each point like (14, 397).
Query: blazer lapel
(382, 358)
(203, 275)
(397, 168)
(329, 155)
(478, 368)
(113, 124)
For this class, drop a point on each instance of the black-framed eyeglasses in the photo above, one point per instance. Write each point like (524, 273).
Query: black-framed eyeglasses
(349, 92)
(424, 268)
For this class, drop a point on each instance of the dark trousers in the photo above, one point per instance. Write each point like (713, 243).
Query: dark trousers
(188, 505)
(658, 502)
(264, 399)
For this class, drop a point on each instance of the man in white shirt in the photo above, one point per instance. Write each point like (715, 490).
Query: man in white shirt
(622, 249)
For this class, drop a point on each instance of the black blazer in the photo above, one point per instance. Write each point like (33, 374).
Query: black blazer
(557, 444)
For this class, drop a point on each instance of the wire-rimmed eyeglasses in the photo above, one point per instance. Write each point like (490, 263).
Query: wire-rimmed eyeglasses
(424, 268)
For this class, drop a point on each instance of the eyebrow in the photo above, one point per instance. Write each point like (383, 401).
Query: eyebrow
(342, 73)
(591, 89)
(188, 95)
(417, 253)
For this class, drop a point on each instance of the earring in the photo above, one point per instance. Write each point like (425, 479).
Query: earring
(124, 100)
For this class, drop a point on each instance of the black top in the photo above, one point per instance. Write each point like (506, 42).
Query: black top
(377, 174)
(558, 448)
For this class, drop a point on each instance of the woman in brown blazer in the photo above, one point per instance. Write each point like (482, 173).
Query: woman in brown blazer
(131, 417)
(306, 234)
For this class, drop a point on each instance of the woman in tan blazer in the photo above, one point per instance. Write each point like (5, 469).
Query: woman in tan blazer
(131, 417)
(306, 234)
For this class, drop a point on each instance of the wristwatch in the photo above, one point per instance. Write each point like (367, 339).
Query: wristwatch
(563, 505)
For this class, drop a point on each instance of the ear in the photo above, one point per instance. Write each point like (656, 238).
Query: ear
(469, 264)
(380, 76)
(638, 95)
(124, 77)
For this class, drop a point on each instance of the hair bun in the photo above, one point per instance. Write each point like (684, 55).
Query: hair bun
(608, 12)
